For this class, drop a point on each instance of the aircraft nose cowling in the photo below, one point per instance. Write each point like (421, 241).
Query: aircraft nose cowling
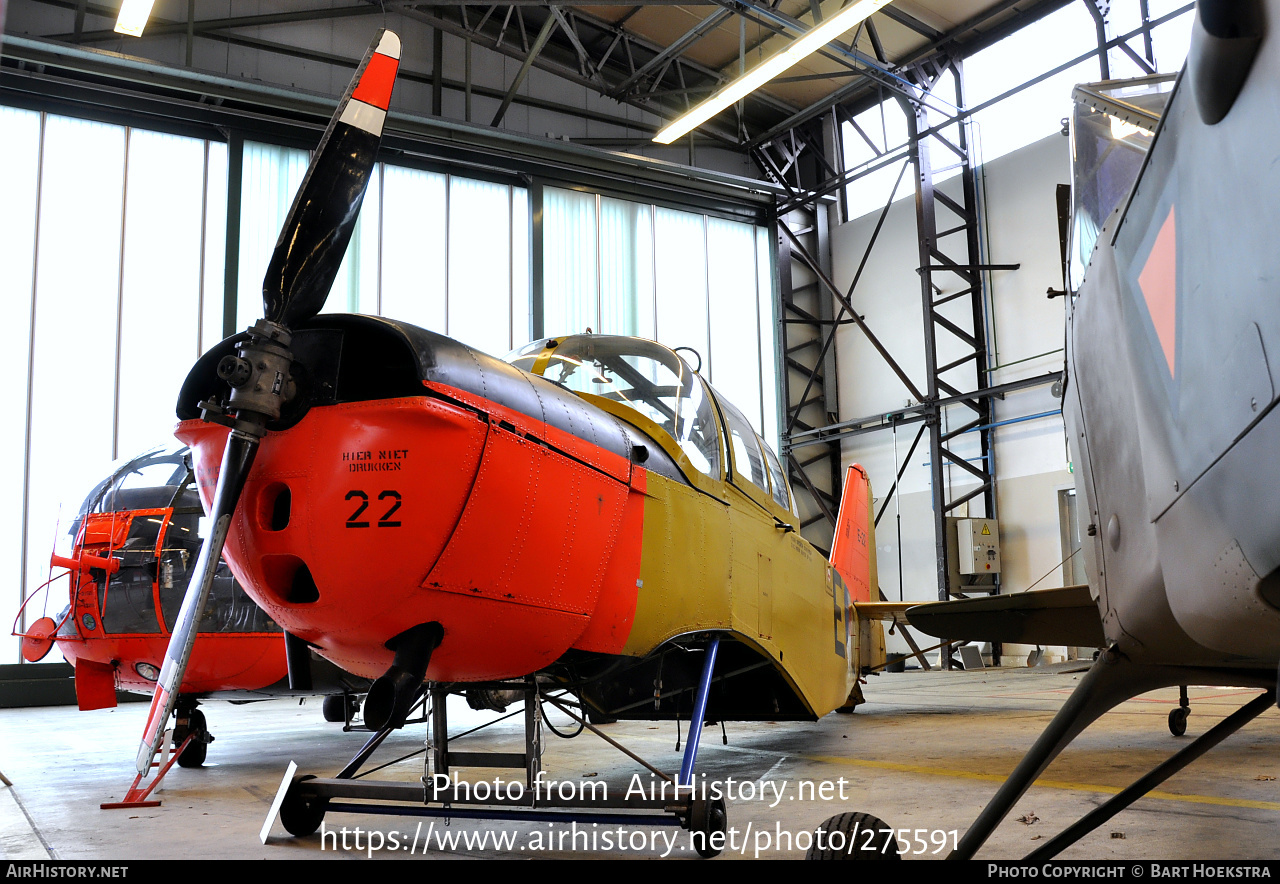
(368, 518)
(344, 513)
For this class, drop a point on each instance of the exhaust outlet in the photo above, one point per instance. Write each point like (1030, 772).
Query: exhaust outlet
(392, 695)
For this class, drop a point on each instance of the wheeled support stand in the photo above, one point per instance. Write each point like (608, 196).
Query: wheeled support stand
(528, 799)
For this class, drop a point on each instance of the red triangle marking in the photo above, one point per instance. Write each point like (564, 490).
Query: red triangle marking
(1159, 284)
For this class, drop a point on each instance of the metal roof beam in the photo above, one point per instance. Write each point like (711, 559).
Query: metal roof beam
(678, 47)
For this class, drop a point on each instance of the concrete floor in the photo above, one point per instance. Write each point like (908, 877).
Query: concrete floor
(925, 753)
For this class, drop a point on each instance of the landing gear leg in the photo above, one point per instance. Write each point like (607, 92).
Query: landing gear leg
(1111, 681)
(1190, 753)
(708, 819)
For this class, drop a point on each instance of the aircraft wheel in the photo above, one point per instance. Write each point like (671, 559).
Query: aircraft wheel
(598, 718)
(196, 751)
(845, 837)
(334, 708)
(301, 815)
(708, 819)
(1178, 721)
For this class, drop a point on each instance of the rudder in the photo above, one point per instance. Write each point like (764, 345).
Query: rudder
(853, 549)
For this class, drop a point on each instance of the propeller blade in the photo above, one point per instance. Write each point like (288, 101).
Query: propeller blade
(237, 459)
(306, 260)
(314, 238)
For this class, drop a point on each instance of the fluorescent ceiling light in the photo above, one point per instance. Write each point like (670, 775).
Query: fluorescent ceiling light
(133, 17)
(813, 40)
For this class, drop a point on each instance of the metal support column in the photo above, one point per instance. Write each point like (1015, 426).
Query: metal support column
(798, 162)
(951, 270)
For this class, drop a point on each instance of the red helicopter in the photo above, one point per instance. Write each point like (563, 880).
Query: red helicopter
(134, 540)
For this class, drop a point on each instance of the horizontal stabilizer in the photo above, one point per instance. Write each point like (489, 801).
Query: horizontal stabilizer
(1067, 616)
(886, 611)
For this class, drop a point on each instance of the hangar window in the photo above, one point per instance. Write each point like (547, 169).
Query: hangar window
(682, 278)
(1042, 47)
(1037, 110)
(1060, 50)
(105, 260)
(270, 177)
(442, 251)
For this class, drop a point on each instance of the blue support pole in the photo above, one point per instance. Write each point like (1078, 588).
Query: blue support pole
(699, 715)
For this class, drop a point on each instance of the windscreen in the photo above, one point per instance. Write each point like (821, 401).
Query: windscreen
(1112, 126)
(640, 374)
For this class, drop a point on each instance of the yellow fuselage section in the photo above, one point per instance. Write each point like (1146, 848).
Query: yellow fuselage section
(720, 556)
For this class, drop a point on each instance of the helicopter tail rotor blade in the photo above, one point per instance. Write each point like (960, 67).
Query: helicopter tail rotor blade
(237, 459)
(315, 235)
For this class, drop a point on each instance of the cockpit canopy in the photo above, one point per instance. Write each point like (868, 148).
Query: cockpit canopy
(658, 384)
(1112, 126)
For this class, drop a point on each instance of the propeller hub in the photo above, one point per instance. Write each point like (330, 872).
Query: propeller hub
(260, 374)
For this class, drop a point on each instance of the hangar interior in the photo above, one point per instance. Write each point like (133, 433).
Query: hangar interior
(867, 254)
(519, 195)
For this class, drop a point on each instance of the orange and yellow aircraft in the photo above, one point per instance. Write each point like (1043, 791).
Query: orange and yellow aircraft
(590, 510)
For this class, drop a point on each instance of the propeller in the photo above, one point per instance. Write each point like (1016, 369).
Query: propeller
(307, 256)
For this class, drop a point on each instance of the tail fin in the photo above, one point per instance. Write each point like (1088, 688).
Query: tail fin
(853, 550)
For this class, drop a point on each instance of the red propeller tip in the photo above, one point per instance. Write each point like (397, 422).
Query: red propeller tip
(379, 76)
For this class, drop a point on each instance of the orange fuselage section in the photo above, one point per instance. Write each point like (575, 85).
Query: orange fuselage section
(368, 518)
(245, 661)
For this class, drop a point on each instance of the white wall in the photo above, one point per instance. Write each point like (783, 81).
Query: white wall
(1021, 227)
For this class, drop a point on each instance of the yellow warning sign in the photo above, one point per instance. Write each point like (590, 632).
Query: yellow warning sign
(986, 532)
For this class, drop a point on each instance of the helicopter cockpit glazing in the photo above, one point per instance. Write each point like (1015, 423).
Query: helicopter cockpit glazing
(124, 516)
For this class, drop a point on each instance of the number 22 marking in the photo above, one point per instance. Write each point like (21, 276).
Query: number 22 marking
(353, 520)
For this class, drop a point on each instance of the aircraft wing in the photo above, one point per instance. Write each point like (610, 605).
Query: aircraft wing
(1066, 616)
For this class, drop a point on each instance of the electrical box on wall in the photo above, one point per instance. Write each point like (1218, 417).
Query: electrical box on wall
(978, 546)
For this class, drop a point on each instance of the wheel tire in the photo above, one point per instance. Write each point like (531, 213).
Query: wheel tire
(300, 815)
(598, 718)
(1178, 721)
(194, 755)
(334, 708)
(196, 751)
(853, 842)
(716, 820)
